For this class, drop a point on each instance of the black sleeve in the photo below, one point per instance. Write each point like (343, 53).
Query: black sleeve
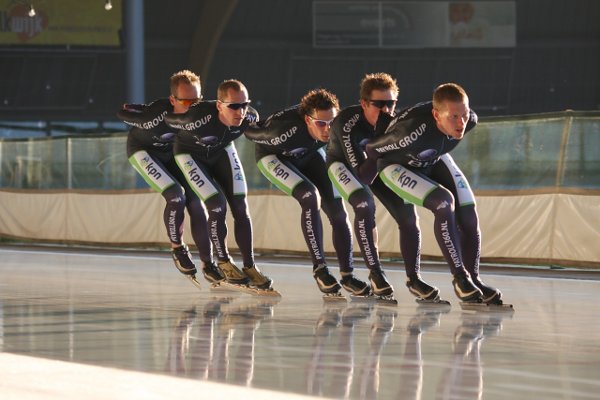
(139, 114)
(382, 123)
(388, 142)
(258, 132)
(177, 121)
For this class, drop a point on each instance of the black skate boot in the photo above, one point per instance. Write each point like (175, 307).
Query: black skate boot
(381, 288)
(355, 286)
(212, 273)
(379, 283)
(491, 295)
(257, 278)
(465, 289)
(232, 273)
(422, 289)
(183, 260)
(326, 282)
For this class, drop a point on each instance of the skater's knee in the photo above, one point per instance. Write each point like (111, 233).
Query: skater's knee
(307, 196)
(440, 201)
(175, 194)
(363, 204)
(364, 213)
(216, 205)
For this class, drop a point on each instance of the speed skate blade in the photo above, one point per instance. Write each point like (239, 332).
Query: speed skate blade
(373, 298)
(232, 287)
(333, 297)
(434, 304)
(267, 292)
(194, 281)
(388, 300)
(505, 308)
(369, 298)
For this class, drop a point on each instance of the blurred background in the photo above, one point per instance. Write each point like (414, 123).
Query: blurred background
(513, 57)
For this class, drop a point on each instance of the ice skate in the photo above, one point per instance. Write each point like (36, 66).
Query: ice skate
(487, 307)
(491, 299)
(327, 283)
(465, 289)
(260, 282)
(358, 289)
(382, 290)
(194, 281)
(212, 273)
(232, 273)
(491, 295)
(425, 293)
(235, 280)
(183, 260)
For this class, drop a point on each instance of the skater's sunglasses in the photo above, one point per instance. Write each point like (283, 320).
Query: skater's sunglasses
(236, 106)
(383, 103)
(321, 123)
(187, 102)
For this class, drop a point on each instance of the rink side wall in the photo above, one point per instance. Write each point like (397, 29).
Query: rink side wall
(555, 229)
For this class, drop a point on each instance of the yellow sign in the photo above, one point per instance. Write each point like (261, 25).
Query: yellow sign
(60, 22)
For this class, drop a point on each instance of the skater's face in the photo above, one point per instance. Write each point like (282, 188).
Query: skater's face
(318, 123)
(185, 95)
(233, 107)
(452, 117)
(378, 101)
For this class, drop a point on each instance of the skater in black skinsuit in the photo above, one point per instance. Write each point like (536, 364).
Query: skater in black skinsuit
(205, 153)
(290, 153)
(352, 172)
(414, 162)
(150, 151)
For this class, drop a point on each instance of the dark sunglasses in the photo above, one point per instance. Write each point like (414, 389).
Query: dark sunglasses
(236, 106)
(383, 103)
(321, 123)
(187, 102)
